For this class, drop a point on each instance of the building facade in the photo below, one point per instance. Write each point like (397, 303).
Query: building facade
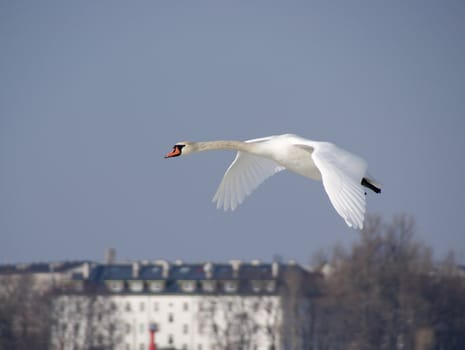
(207, 306)
(46, 276)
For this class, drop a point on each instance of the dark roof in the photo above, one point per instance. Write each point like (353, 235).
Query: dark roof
(177, 274)
(110, 272)
(187, 272)
(94, 276)
(256, 272)
(153, 272)
(124, 272)
(222, 272)
(40, 267)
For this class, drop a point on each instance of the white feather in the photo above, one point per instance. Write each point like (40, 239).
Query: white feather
(258, 159)
(243, 176)
(341, 173)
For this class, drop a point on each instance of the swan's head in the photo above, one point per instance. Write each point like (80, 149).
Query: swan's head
(180, 148)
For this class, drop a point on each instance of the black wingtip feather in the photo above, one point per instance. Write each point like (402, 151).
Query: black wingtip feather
(365, 182)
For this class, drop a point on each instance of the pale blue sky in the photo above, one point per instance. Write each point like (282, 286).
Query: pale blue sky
(94, 93)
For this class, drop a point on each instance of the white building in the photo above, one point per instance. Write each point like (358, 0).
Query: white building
(45, 276)
(195, 306)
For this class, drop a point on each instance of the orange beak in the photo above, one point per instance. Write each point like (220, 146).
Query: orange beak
(174, 153)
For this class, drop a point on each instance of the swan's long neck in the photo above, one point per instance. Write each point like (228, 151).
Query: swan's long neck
(225, 145)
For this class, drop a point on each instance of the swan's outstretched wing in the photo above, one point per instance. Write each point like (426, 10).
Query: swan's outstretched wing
(243, 176)
(342, 172)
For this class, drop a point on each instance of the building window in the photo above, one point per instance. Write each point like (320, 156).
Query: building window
(230, 286)
(155, 306)
(270, 286)
(170, 339)
(256, 286)
(136, 286)
(142, 346)
(256, 306)
(141, 328)
(115, 286)
(188, 286)
(208, 286)
(185, 306)
(128, 307)
(76, 328)
(111, 330)
(185, 328)
(199, 347)
(170, 318)
(142, 306)
(201, 328)
(156, 286)
(128, 328)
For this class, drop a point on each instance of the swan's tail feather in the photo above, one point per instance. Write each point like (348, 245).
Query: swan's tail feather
(371, 185)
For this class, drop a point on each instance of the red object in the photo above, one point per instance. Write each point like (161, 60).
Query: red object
(152, 345)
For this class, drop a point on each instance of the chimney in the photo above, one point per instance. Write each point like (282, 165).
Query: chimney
(275, 269)
(208, 269)
(86, 271)
(110, 256)
(165, 265)
(135, 269)
(235, 266)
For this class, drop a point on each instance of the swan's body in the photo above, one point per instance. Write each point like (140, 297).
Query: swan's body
(342, 173)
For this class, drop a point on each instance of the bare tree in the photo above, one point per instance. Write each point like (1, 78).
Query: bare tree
(444, 292)
(298, 292)
(383, 293)
(240, 322)
(24, 312)
(85, 321)
(272, 321)
(64, 317)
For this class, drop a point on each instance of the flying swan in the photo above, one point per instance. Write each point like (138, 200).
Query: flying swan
(343, 173)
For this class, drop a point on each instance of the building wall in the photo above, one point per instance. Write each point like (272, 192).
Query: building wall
(191, 322)
(176, 317)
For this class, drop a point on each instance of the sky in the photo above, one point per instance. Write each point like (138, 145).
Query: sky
(93, 94)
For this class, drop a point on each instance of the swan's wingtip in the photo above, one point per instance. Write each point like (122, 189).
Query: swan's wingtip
(222, 206)
(354, 225)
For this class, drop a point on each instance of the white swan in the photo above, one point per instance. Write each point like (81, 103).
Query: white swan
(343, 173)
